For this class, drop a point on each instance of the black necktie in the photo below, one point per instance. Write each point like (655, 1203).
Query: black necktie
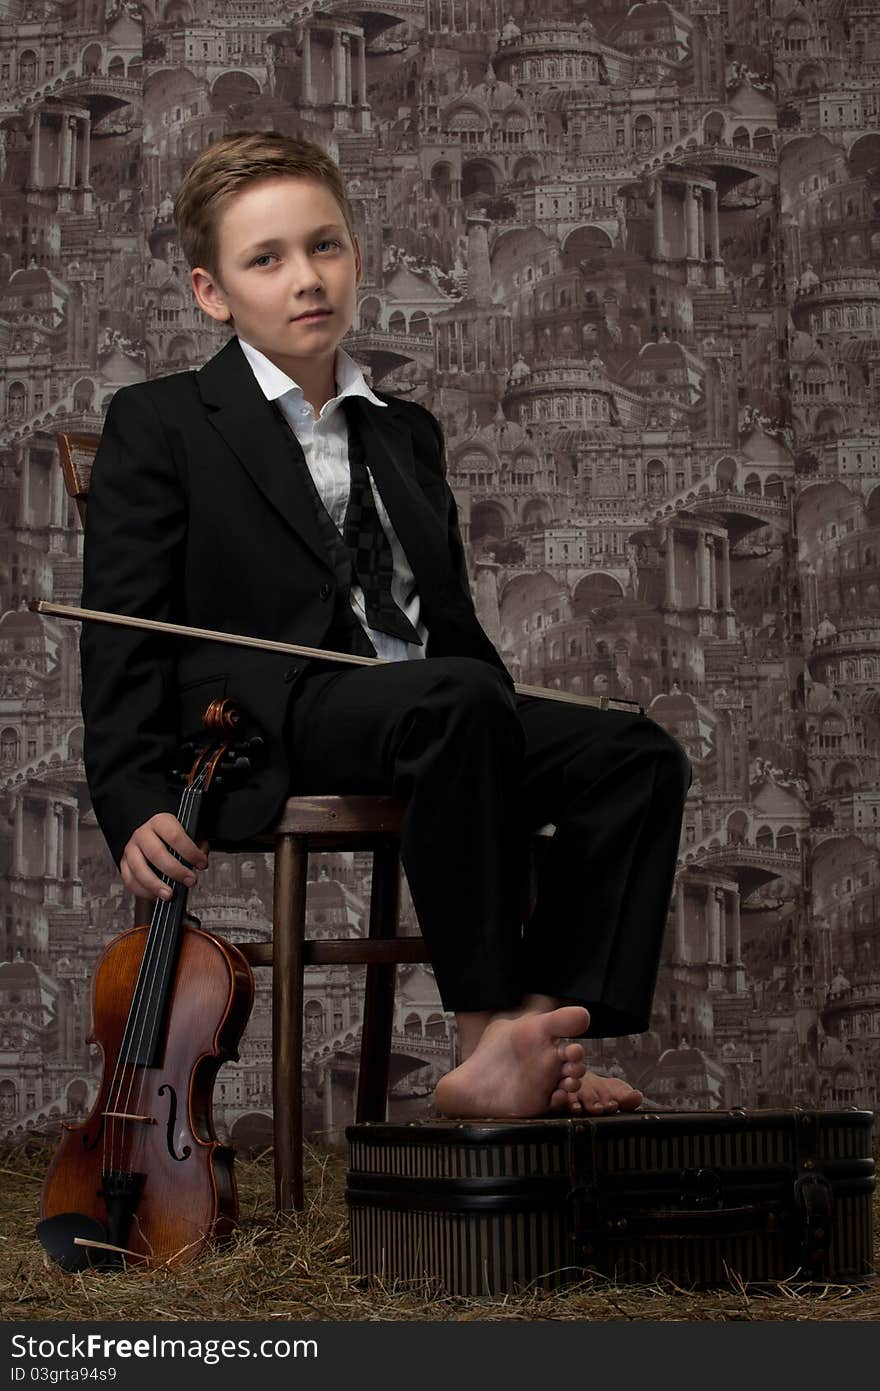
(363, 533)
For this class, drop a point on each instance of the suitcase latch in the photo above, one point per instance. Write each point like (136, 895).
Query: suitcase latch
(815, 1199)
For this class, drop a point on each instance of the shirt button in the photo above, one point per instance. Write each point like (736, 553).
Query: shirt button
(326, 591)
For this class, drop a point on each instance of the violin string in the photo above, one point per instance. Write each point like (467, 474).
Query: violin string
(156, 933)
(114, 1093)
(153, 991)
(159, 948)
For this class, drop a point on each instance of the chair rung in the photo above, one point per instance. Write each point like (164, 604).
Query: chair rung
(345, 952)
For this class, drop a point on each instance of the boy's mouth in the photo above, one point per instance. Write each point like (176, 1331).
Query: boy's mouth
(311, 314)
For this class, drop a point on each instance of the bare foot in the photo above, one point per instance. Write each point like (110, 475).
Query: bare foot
(602, 1096)
(518, 1068)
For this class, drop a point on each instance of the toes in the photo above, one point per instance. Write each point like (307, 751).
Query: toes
(589, 1095)
(601, 1096)
(572, 1052)
(573, 1069)
(631, 1102)
(605, 1095)
(569, 1020)
(597, 1105)
(627, 1098)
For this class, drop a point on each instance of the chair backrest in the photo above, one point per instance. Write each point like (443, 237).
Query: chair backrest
(77, 453)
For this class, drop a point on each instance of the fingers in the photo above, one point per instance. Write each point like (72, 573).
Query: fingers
(153, 849)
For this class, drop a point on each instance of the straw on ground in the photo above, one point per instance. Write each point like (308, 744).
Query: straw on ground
(296, 1267)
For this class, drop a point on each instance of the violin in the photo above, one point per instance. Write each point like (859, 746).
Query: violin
(144, 1178)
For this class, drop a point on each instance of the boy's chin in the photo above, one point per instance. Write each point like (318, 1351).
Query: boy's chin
(296, 343)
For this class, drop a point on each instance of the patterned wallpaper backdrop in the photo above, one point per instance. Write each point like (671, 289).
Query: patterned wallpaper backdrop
(630, 256)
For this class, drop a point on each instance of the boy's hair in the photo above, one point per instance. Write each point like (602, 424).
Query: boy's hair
(229, 165)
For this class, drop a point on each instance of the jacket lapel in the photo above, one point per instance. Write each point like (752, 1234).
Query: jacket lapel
(242, 416)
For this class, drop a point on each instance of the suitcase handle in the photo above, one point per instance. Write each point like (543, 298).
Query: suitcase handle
(675, 1224)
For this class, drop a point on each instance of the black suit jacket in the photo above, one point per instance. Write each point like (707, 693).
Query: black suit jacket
(196, 516)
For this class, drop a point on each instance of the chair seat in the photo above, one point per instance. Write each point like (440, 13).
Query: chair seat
(375, 815)
(326, 821)
(355, 816)
(345, 951)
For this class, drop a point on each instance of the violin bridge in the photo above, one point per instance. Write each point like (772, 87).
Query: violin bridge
(125, 1116)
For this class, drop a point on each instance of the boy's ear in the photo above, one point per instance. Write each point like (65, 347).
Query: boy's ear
(209, 294)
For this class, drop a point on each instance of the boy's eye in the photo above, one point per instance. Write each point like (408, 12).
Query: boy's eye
(267, 255)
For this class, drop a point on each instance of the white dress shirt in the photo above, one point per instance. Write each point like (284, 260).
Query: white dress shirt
(324, 443)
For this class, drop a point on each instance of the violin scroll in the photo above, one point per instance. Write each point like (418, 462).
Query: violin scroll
(222, 717)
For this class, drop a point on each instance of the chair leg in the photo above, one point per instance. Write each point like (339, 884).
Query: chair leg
(288, 934)
(375, 1061)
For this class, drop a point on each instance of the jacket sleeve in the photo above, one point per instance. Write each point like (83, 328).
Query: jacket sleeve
(456, 545)
(133, 560)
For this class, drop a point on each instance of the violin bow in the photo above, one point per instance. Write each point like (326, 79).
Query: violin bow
(155, 625)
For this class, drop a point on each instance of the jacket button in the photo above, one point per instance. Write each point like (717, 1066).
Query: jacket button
(326, 591)
(290, 673)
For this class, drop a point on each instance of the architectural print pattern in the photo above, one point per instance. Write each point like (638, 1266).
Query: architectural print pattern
(630, 257)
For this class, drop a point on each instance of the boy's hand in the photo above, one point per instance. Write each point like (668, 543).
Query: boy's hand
(149, 849)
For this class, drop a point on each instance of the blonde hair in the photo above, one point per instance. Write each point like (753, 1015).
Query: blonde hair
(229, 165)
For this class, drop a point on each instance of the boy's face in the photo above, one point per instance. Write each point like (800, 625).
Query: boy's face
(283, 248)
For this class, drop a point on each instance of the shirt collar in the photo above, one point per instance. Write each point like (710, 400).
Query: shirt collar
(273, 382)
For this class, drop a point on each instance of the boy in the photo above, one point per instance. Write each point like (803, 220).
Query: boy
(274, 493)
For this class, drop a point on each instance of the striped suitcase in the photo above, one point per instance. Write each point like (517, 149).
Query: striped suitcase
(496, 1207)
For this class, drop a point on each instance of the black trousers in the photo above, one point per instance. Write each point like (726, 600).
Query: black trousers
(480, 768)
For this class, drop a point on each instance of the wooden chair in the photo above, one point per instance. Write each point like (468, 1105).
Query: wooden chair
(307, 824)
(327, 823)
